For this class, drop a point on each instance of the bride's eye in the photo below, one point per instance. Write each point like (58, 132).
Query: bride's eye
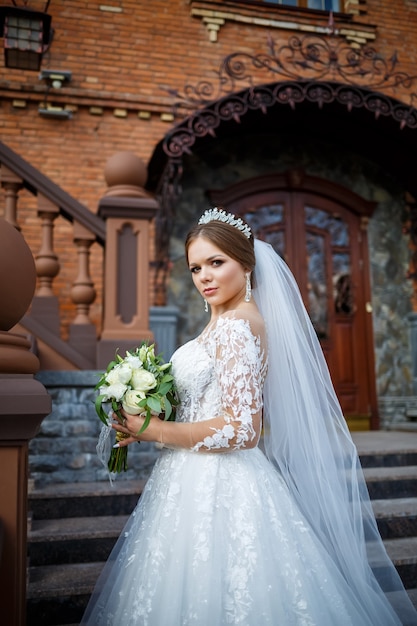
(194, 269)
(217, 263)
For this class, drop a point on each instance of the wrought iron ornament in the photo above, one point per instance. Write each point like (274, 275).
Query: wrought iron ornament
(302, 58)
(319, 69)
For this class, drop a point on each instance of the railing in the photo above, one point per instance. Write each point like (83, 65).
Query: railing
(122, 223)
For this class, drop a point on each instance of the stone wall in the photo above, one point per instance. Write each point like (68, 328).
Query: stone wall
(398, 413)
(65, 448)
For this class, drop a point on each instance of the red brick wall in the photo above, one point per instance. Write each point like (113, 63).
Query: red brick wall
(121, 60)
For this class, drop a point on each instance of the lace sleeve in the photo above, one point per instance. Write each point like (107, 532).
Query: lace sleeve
(240, 374)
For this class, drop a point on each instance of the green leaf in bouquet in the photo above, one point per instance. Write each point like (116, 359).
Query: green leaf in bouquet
(168, 408)
(99, 408)
(145, 423)
(116, 408)
(164, 388)
(173, 397)
(154, 403)
(111, 365)
(101, 382)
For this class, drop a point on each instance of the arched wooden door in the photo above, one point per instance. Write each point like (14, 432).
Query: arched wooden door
(324, 243)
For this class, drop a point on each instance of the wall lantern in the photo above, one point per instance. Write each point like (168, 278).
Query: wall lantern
(54, 79)
(27, 35)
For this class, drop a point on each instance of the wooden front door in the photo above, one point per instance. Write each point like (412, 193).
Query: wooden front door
(324, 243)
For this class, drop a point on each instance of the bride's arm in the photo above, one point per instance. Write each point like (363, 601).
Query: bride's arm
(219, 434)
(239, 374)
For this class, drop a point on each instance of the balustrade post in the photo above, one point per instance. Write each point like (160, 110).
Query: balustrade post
(82, 333)
(45, 305)
(24, 403)
(11, 184)
(128, 210)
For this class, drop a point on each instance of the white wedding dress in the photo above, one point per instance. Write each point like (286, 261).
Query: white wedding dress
(216, 538)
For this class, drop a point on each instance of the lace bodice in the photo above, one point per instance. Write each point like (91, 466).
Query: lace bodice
(220, 375)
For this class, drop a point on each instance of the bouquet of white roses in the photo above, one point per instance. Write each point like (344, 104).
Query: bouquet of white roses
(141, 383)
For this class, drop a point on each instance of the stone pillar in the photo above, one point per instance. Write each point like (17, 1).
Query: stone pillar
(24, 402)
(412, 319)
(128, 210)
(164, 322)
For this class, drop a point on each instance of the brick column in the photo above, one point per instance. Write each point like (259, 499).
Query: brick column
(128, 210)
(24, 402)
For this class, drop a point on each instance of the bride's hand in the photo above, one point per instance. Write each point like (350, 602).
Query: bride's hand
(131, 426)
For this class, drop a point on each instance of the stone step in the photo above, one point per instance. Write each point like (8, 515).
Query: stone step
(412, 594)
(63, 590)
(396, 601)
(83, 539)
(403, 553)
(101, 499)
(391, 482)
(387, 459)
(384, 448)
(73, 540)
(56, 590)
(396, 517)
(60, 592)
(84, 499)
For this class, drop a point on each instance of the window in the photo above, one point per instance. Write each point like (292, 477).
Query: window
(327, 260)
(324, 5)
(301, 15)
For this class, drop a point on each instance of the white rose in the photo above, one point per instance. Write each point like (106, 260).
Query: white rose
(119, 374)
(133, 361)
(114, 391)
(130, 401)
(143, 380)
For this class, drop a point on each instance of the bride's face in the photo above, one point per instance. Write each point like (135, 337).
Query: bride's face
(219, 278)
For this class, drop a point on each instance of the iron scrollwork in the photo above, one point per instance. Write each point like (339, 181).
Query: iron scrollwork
(306, 58)
(311, 67)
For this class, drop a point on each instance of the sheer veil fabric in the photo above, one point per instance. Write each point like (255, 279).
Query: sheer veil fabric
(307, 440)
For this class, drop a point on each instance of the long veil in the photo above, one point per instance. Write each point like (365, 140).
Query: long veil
(307, 439)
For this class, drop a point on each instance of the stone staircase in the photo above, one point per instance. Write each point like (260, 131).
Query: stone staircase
(73, 527)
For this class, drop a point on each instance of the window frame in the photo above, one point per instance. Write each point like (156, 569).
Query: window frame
(303, 4)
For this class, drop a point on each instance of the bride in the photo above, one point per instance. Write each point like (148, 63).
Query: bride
(225, 533)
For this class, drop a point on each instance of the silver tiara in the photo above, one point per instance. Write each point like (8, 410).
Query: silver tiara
(219, 215)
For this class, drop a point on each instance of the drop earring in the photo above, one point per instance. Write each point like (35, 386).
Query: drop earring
(205, 305)
(248, 293)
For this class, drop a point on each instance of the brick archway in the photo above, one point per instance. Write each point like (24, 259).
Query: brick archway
(372, 124)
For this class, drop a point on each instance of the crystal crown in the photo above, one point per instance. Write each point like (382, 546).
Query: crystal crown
(219, 215)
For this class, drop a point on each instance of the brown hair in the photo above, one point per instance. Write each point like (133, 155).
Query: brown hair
(227, 238)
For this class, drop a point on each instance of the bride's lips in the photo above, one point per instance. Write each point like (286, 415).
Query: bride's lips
(209, 291)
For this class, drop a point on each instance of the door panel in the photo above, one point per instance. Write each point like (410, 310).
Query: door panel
(321, 241)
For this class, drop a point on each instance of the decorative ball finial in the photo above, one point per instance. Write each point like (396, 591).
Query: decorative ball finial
(125, 174)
